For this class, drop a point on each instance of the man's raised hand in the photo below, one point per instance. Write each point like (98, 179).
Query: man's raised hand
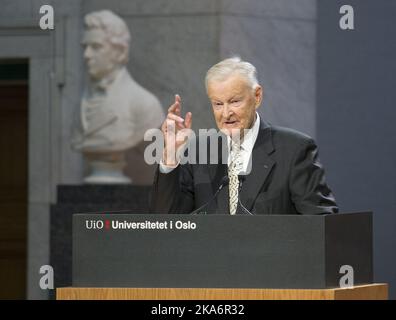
(174, 134)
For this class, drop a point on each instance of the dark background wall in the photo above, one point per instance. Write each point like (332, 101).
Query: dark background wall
(356, 117)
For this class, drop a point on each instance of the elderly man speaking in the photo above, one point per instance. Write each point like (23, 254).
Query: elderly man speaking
(268, 170)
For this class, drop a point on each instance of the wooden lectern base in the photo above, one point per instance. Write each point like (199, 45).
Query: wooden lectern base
(365, 292)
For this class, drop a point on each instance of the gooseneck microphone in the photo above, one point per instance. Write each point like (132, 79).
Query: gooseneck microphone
(223, 182)
(241, 179)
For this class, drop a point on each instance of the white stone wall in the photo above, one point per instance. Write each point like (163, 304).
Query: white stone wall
(279, 38)
(54, 91)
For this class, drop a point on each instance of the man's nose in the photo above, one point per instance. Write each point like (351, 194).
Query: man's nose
(87, 53)
(226, 111)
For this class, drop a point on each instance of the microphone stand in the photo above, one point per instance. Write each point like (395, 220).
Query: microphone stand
(241, 178)
(224, 182)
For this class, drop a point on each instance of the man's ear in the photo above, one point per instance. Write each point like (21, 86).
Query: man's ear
(258, 95)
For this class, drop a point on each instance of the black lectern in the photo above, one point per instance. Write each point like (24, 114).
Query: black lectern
(221, 251)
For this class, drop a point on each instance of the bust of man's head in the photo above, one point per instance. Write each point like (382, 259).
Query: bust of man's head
(106, 43)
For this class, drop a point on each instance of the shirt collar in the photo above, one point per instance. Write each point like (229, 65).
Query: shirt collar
(105, 83)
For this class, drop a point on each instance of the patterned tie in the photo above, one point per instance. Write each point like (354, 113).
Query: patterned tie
(233, 170)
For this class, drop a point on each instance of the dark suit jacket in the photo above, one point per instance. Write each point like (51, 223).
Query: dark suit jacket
(286, 178)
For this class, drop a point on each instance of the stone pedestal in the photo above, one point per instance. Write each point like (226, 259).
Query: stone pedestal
(106, 168)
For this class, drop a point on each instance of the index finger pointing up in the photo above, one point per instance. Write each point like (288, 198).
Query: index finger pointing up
(176, 106)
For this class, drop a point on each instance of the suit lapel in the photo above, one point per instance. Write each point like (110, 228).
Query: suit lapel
(261, 166)
(99, 116)
(96, 113)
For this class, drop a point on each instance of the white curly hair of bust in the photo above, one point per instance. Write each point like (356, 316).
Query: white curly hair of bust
(115, 28)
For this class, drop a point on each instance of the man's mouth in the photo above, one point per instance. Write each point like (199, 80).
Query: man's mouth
(230, 122)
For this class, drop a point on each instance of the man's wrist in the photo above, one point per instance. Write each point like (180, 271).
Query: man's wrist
(164, 168)
(171, 158)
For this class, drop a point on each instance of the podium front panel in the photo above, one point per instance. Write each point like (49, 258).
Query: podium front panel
(220, 251)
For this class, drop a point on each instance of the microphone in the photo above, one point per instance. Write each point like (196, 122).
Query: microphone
(223, 182)
(241, 179)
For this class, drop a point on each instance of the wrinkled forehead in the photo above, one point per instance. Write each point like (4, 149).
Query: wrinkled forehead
(94, 36)
(229, 87)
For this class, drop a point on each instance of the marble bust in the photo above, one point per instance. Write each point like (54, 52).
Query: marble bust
(115, 110)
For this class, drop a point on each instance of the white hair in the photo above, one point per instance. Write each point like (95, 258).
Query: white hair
(115, 28)
(234, 65)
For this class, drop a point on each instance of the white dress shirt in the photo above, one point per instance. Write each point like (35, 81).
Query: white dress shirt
(245, 153)
(246, 147)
